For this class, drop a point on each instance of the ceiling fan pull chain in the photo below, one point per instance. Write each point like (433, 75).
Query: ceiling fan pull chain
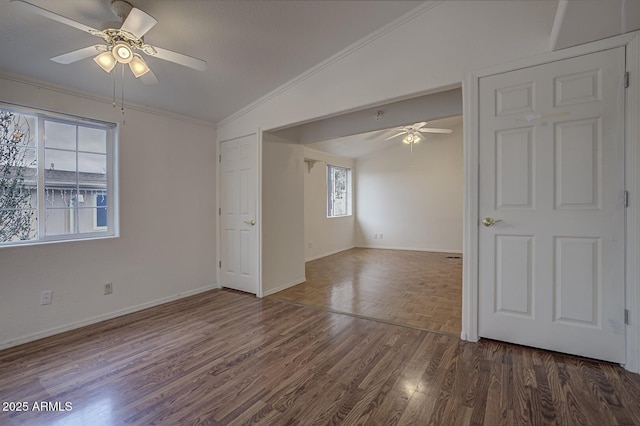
(122, 87)
(114, 89)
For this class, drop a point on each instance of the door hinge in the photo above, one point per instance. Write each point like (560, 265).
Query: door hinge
(220, 264)
(626, 79)
(626, 198)
(626, 316)
(219, 211)
(220, 158)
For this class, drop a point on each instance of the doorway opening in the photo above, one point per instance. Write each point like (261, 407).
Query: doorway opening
(397, 258)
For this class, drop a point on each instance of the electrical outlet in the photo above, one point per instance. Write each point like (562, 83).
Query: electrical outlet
(46, 297)
(381, 236)
(108, 288)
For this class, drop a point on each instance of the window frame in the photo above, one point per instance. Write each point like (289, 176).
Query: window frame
(330, 186)
(111, 150)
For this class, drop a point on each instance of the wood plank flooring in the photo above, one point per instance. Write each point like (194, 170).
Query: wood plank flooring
(226, 358)
(411, 288)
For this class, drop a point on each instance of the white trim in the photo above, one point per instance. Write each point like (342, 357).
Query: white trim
(381, 32)
(409, 248)
(470, 210)
(259, 282)
(471, 190)
(329, 253)
(283, 287)
(78, 324)
(632, 163)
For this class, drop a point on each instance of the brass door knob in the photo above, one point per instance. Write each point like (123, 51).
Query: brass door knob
(250, 222)
(489, 221)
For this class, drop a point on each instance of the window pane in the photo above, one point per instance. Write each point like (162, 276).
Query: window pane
(17, 129)
(101, 211)
(59, 197)
(15, 161)
(59, 135)
(59, 160)
(92, 163)
(18, 225)
(60, 221)
(338, 191)
(92, 140)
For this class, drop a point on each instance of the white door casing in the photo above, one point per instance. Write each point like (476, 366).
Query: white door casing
(551, 154)
(238, 220)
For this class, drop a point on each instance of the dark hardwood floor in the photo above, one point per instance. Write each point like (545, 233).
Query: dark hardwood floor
(223, 358)
(417, 289)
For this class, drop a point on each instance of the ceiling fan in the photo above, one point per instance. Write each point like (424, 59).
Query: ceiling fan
(122, 45)
(414, 132)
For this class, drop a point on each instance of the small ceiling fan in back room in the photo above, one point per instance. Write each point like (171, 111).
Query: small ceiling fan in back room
(413, 133)
(124, 45)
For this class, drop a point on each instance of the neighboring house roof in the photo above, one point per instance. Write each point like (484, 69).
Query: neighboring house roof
(65, 179)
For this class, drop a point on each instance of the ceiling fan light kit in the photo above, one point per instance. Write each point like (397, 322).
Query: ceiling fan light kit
(106, 61)
(122, 44)
(138, 66)
(413, 133)
(411, 138)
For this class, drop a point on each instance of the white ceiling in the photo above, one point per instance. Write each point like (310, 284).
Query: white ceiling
(252, 47)
(357, 146)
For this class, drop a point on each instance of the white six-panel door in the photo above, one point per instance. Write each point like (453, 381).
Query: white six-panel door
(238, 226)
(551, 268)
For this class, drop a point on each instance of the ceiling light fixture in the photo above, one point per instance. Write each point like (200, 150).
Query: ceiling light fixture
(122, 52)
(411, 138)
(106, 61)
(138, 66)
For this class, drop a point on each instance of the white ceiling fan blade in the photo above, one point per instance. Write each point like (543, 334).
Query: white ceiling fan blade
(433, 130)
(138, 22)
(179, 58)
(395, 136)
(54, 16)
(417, 126)
(77, 55)
(148, 78)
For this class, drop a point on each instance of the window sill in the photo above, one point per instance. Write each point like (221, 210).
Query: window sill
(45, 242)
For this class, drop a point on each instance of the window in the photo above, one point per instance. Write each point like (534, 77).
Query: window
(56, 176)
(338, 191)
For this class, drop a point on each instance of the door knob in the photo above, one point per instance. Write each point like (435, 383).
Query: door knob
(489, 221)
(250, 222)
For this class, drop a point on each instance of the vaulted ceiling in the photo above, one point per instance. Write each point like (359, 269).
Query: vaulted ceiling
(251, 47)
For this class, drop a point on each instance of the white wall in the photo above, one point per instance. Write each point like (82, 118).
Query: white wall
(424, 53)
(282, 215)
(325, 235)
(428, 51)
(414, 199)
(167, 237)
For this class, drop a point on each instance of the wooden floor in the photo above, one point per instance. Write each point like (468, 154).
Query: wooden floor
(411, 288)
(226, 358)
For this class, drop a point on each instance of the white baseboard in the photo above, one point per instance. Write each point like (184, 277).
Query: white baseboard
(284, 287)
(103, 317)
(328, 253)
(410, 249)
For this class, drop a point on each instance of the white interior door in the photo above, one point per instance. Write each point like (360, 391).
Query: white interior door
(551, 269)
(238, 225)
